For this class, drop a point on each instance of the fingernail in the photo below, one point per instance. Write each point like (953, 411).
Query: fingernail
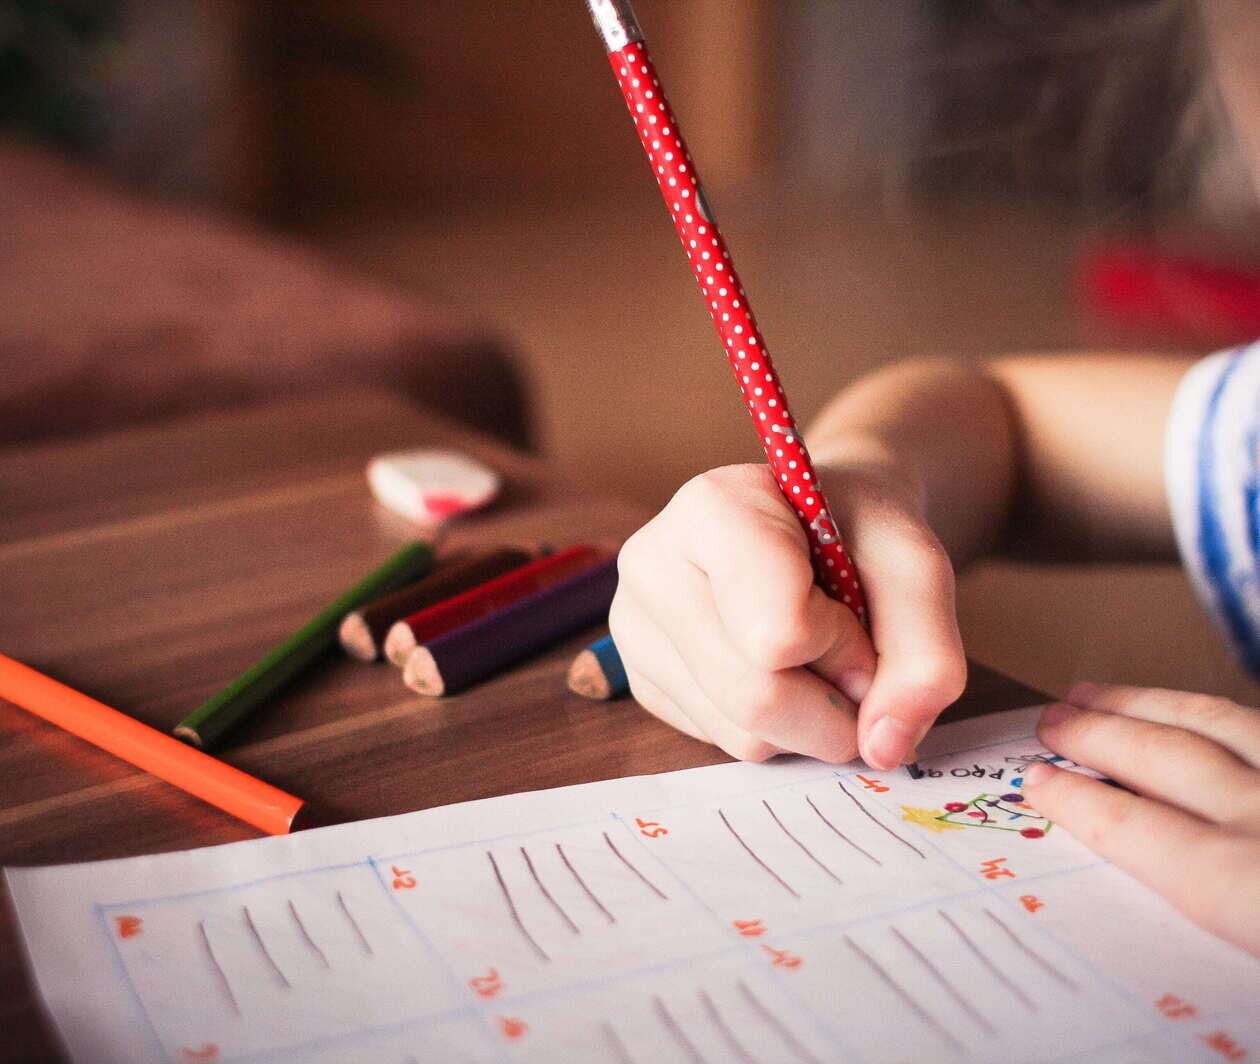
(1038, 772)
(1082, 694)
(855, 684)
(888, 742)
(1058, 713)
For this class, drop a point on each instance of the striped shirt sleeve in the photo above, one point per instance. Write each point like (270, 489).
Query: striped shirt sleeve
(1210, 468)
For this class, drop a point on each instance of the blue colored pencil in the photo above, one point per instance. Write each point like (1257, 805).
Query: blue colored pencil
(597, 672)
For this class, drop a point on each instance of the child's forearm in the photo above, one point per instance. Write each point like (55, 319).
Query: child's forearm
(1055, 454)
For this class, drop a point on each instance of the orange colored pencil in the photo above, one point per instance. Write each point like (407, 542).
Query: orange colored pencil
(266, 807)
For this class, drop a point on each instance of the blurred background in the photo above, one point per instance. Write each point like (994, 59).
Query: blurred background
(207, 202)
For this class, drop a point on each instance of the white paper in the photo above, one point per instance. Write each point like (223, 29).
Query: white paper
(785, 912)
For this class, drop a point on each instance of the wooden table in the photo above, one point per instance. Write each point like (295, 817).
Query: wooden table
(149, 566)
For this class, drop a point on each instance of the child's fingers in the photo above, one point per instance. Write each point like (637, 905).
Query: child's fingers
(1233, 726)
(909, 586)
(792, 709)
(744, 536)
(1197, 866)
(1171, 764)
(670, 691)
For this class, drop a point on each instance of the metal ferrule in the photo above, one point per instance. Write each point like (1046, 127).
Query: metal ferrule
(616, 23)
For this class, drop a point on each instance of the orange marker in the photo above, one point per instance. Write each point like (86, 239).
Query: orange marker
(233, 791)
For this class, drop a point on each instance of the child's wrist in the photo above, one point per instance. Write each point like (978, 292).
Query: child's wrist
(848, 461)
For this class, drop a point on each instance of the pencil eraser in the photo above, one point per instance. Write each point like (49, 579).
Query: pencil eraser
(428, 486)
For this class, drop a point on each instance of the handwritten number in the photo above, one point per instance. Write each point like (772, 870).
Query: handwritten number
(488, 985)
(403, 879)
(129, 926)
(650, 828)
(993, 870)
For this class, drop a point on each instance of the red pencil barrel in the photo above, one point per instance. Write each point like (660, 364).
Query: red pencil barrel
(736, 327)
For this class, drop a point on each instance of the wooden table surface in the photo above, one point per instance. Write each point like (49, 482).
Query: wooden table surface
(150, 566)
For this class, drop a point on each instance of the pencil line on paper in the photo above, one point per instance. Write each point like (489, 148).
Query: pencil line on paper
(547, 894)
(1067, 981)
(983, 958)
(219, 974)
(582, 883)
(306, 935)
(367, 946)
(646, 882)
(906, 996)
(724, 1029)
(842, 835)
(775, 1024)
(804, 849)
(511, 905)
(945, 984)
(679, 1035)
(615, 1043)
(879, 823)
(262, 948)
(751, 853)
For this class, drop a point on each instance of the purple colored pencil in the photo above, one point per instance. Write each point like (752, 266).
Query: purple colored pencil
(459, 658)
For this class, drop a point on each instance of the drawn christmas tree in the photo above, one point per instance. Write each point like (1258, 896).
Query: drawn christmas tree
(1004, 812)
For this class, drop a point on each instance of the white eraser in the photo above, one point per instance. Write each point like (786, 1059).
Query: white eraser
(428, 486)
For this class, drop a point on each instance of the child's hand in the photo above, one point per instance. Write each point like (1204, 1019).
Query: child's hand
(1192, 831)
(726, 636)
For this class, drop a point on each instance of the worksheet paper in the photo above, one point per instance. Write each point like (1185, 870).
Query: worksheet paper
(788, 912)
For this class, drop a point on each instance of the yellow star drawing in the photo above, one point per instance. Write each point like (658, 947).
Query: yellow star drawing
(928, 818)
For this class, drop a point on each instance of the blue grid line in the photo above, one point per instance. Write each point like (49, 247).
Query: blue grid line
(834, 1036)
(131, 986)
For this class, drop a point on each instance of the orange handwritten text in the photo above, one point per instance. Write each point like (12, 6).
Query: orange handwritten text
(749, 928)
(488, 985)
(209, 1051)
(513, 1029)
(1032, 903)
(128, 926)
(783, 958)
(992, 869)
(650, 828)
(1225, 1045)
(873, 785)
(1175, 1009)
(403, 879)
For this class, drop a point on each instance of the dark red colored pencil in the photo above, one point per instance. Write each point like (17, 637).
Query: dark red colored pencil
(473, 651)
(420, 627)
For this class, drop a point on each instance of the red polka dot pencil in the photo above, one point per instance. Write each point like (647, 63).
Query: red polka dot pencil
(728, 303)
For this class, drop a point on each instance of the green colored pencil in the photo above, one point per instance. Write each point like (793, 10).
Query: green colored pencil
(247, 692)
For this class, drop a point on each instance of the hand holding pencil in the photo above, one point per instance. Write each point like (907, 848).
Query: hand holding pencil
(739, 616)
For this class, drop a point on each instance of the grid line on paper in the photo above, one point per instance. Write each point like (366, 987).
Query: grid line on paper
(127, 980)
(1138, 1012)
(833, 1035)
(453, 985)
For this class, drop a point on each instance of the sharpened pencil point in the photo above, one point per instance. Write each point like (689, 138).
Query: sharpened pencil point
(399, 644)
(586, 678)
(421, 674)
(356, 637)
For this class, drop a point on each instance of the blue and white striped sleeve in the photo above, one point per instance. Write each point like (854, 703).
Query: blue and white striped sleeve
(1210, 469)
